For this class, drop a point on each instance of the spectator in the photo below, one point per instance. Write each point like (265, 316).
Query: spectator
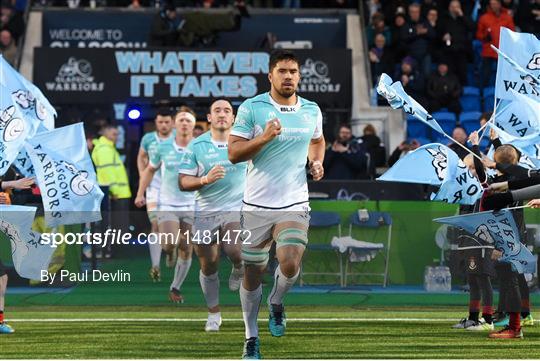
(371, 7)
(456, 32)
(432, 17)
(377, 26)
(401, 150)
(398, 48)
(111, 173)
(489, 27)
(417, 35)
(8, 47)
(345, 158)
(197, 130)
(412, 80)
(372, 143)
(460, 135)
(443, 90)
(166, 27)
(528, 16)
(11, 20)
(381, 58)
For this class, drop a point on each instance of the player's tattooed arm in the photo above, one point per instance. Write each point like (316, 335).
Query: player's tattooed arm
(316, 158)
(191, 183)
(144, 182)
(242, 150)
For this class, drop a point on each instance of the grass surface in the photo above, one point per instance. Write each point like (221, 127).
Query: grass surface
(177, 332)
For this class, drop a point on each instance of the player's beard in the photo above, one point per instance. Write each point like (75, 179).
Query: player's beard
(286, 93)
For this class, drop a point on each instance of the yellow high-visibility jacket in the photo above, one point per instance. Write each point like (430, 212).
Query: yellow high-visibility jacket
(109, 168)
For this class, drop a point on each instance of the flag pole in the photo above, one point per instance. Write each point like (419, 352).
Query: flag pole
(462, 146)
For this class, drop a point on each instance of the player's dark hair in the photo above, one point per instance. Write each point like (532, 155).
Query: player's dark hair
(217, 100)
(164, 112)
(280, 55)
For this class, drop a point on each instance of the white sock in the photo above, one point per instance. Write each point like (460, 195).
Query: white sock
(251, 300)
(282, 285)
(155, 253)
(210, 288)
(180, 272)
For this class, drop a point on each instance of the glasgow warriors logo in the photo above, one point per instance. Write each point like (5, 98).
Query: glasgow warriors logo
(439, 162)
(11, 127)
(79, 184)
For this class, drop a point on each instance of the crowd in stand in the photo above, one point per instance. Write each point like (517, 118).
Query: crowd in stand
(437, 47)
(203, 3)
(11, 28)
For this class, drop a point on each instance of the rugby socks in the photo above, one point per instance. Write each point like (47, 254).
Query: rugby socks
(180, 272)
(474, 310)
(251, 300)
(210, 288)
(282, 285)
(525, 308)
(155, 253)
(487, 314)
(515, 322)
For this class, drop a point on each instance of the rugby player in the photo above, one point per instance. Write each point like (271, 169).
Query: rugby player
(149, 145)
(175, 208)
(278, 132)
(219, 187)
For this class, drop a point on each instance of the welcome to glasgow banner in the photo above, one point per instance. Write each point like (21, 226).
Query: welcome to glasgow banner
(99, 76)
(29, 255)
(499, 229)
(65, 176)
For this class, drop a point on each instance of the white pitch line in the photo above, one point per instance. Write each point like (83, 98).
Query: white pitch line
(228, 319)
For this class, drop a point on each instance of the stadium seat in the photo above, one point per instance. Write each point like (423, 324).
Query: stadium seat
(469, 121)
(322, 227)
(446, 120)
(417, 129)
(470, 100)
(369, 228)
(489, 98)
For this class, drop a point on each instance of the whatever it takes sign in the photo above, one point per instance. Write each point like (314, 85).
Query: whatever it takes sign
(71, 76)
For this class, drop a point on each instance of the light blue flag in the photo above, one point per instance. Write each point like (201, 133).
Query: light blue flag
(437, 165)
(497, 228)
(65, 176)
(13, 132)
(518, 115)
(30, 255)
(398, 98)
(23, 163)
(518, 66)
(429, 164)
(459, 187)
(27, 96)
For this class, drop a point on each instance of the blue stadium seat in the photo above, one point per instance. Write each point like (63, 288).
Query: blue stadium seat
(417, 129)
(470, 100)
(469, 121)
(471, 90)
(446, 120)
(489, 98)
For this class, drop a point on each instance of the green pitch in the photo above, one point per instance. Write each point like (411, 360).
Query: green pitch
(313, 332)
